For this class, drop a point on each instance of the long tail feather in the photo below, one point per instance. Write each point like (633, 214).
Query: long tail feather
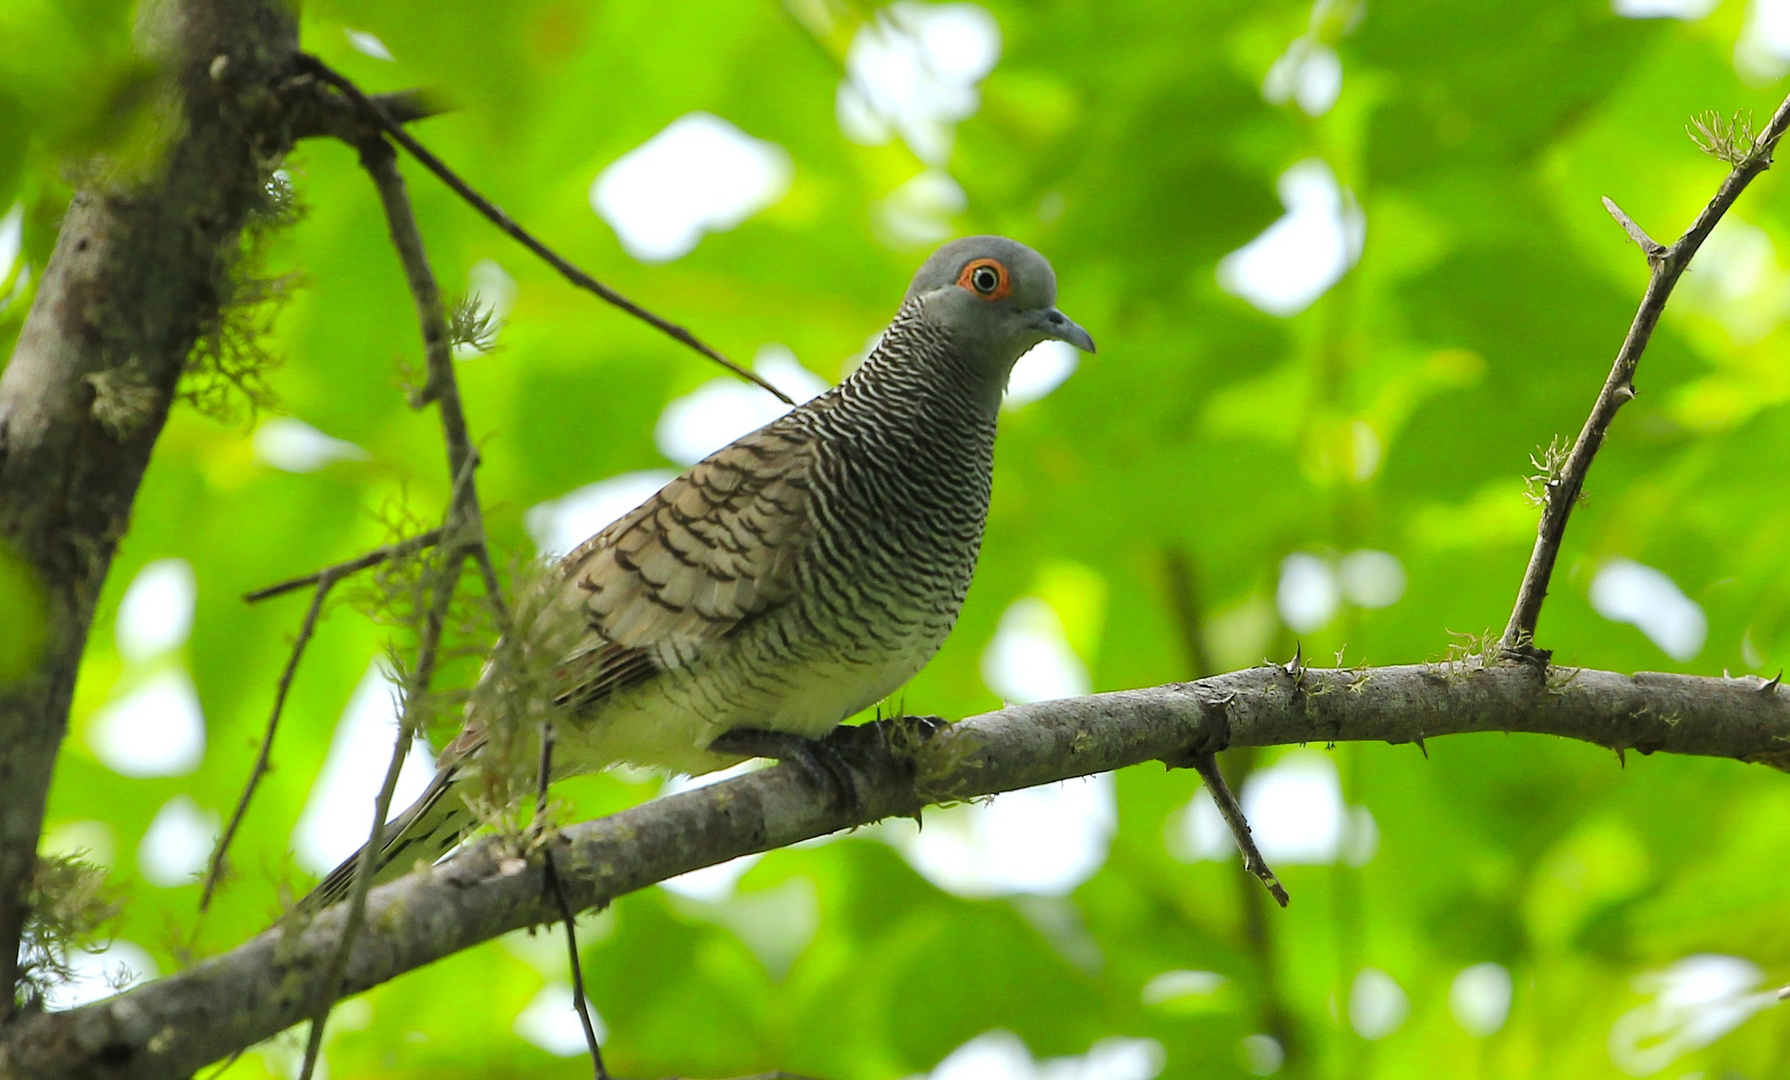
(421, 834)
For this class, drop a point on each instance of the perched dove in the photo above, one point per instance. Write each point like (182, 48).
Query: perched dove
(792, 578)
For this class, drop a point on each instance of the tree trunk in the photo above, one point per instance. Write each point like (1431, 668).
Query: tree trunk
(140, 271)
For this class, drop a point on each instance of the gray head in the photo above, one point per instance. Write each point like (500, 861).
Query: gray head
(996, 298)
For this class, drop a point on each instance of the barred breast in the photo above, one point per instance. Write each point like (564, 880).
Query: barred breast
(793, 578)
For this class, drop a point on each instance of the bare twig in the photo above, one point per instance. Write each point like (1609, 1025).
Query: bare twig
(415, 691)
(340, 570)
(550, 871)
(381, 164)
(1653, 249)
(463, 526)
(516, 232)
(1667, 265)
(1232, 811)
(443, 388)
(326, 580)
(1184, 598)
(323, 115)
(544, 777)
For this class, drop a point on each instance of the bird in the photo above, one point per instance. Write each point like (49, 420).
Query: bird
(786, 582)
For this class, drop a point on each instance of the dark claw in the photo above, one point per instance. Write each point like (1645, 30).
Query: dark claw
(925, 726)
(820, 761)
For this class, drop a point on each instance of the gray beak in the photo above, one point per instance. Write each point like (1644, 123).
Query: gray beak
(1054, 324)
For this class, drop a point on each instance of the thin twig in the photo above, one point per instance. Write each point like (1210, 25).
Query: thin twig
(1653, 249)
(340, 570)
(544, 777)
(463, 526)
(481, 555)
(1184, 601)
(1257, 930)
(443, 387)
(1232, 811)
(329, 116)
(326, 580)
(598, 1070)
(446, 576)
(381, 163)
(1667, 265)
(516, 232)
(1184, 598)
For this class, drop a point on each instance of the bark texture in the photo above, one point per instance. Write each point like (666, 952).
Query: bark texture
(169, 1028)
(140, 270)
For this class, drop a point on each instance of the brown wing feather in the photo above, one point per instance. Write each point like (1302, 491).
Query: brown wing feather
(714, 548)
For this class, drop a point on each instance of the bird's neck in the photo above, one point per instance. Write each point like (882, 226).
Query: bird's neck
(918, 363)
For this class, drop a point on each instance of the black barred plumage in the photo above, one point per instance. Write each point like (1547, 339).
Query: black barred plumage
(794, 577)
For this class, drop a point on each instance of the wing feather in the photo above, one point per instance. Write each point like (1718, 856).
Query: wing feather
(712, 549)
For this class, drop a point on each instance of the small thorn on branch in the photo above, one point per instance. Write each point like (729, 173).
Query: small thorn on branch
(1653, 248)
(1297, 663)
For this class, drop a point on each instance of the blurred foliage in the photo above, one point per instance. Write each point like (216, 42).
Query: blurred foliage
(1131, 142)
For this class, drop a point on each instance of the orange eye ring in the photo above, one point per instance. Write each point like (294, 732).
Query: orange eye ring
(986, 278)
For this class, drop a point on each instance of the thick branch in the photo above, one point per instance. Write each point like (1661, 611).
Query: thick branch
(171, 1027)
(140, 267)
(1668, 264)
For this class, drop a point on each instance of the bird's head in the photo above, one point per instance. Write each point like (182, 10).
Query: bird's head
(995, 298)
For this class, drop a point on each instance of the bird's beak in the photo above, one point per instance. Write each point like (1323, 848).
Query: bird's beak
(1060, 327)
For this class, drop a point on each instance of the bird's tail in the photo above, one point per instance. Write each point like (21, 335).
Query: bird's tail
(423, 833)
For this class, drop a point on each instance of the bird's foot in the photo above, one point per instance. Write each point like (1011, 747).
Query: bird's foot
(821, 761)
(923, 727)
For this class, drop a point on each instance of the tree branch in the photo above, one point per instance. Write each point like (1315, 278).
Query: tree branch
(264, 756)
(340, 570)
(324, 580)
(324, 115)
(522, 236)
(463, 526)
(168, 1028)
(1667, 264)
(135, 277)
(1184, 601)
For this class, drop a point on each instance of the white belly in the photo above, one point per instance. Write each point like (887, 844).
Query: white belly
(667, 723)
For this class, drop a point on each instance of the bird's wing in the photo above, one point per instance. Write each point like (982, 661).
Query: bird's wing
(713, 549)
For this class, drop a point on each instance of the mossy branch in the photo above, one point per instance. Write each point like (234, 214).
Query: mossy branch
(169, 1028)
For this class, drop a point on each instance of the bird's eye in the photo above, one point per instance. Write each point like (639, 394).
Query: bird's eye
(987, 278)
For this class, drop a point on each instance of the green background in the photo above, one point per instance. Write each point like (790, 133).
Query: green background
(1492, 291)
